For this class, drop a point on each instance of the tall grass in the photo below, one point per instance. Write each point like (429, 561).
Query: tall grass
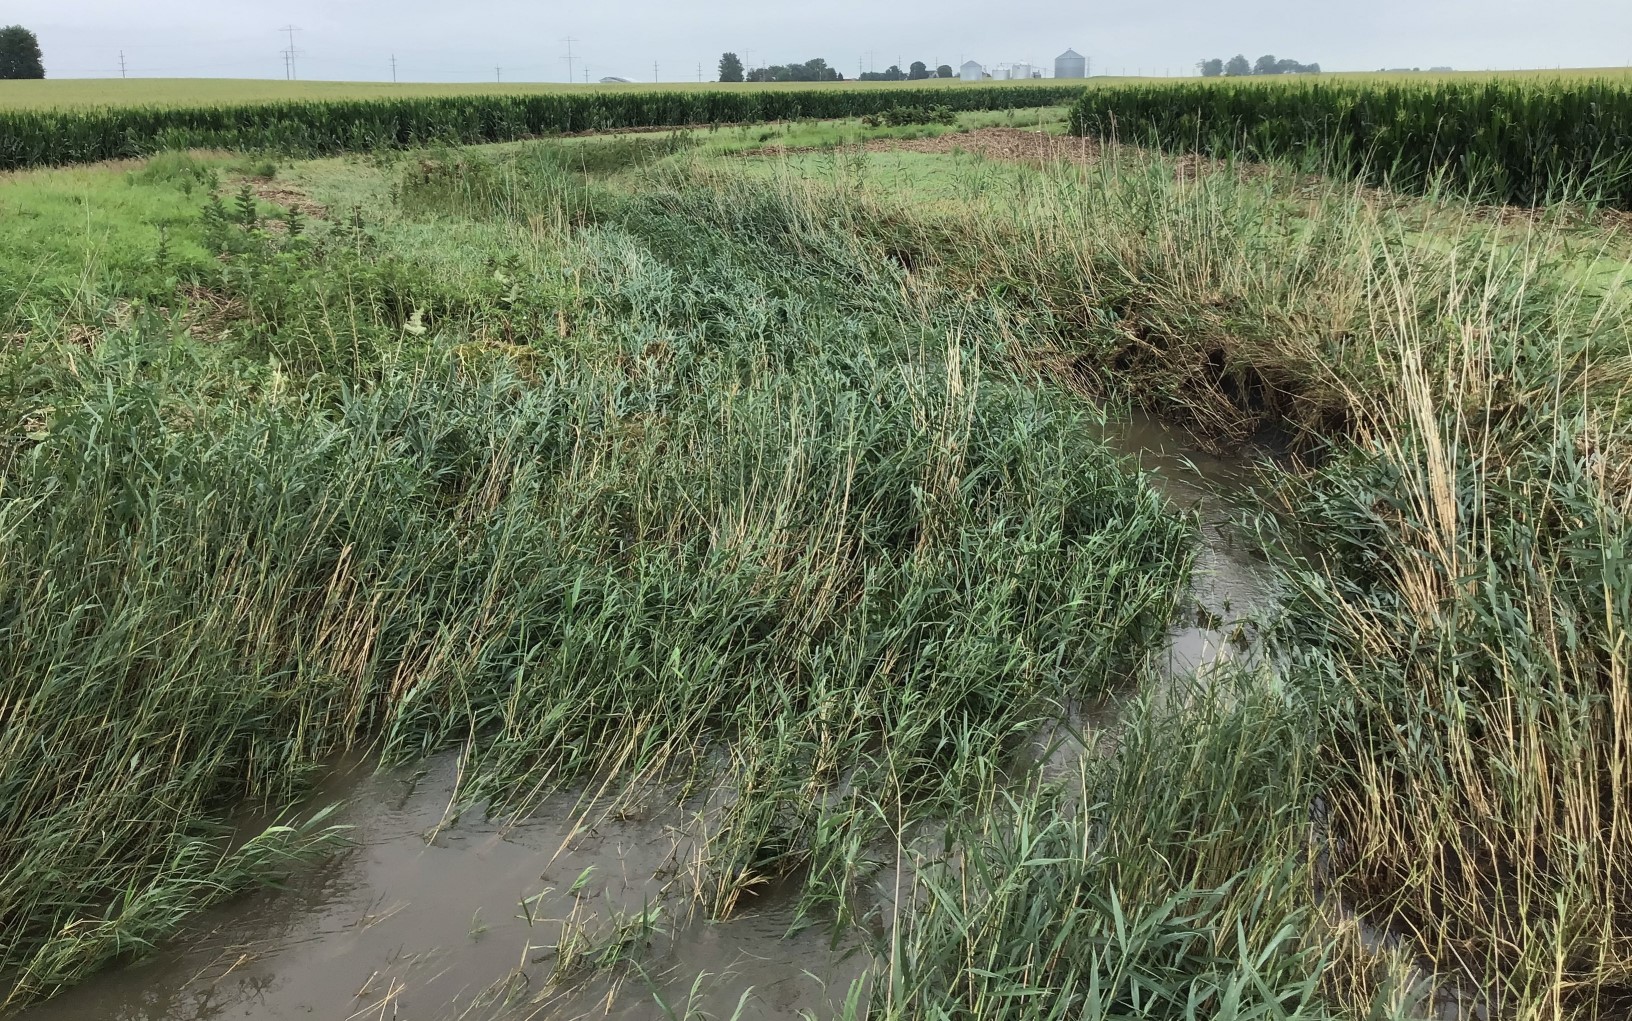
(1457, 623)
(785, 487)
(760, 502)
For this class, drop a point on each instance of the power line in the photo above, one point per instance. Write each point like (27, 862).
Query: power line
(569, 40)
(289, 55)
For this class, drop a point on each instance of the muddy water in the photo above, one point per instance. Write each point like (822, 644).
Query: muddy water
(1231, 585)
(432, 917)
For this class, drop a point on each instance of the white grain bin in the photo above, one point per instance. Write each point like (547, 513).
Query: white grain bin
(1071, 64)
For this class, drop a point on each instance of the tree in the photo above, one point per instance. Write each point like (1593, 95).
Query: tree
(1211, 68)
(1267, 64)
(944, 71)
(20, 53)
(816, 71)
(894, 74)
(1238, 67)
(730, 68)
(918, 71)
(810, 71)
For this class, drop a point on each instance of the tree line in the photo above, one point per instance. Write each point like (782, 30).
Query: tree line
(918, 71)
(1238, 67)
(818, 70)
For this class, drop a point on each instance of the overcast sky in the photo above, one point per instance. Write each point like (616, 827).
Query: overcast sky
(438, 40)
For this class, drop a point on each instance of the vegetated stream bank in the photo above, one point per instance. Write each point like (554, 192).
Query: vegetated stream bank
(580, 910)
(722, 462)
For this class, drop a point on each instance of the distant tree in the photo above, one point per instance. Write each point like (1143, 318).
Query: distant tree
(919, 71)
(1211, 68)
(810, 71)
(818, 71)
(730, 68)
(894, 74)
(1238, 67)
(944, 71)
(1267, 64)
(20, 53)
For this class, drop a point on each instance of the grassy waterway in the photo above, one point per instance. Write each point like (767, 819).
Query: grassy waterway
(436, 915)
(706, 543)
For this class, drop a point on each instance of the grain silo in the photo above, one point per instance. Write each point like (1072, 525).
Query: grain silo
(1071, 64)
(971, 72)
(1021, 71)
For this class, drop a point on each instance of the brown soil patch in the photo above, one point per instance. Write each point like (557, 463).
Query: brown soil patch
(1028, 145)
(210, 313)
(287, 196)
(992, 143)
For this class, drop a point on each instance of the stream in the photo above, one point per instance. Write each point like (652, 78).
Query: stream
(430, 917)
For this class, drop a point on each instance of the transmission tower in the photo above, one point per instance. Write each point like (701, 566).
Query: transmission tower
(289, 55)
(569, 40)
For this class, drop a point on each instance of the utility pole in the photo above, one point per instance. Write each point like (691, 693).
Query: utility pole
(699, 72)
(291, 29)
(498, 73)
(569, 40)
(393, 68)
(121, 63)
(654, 72)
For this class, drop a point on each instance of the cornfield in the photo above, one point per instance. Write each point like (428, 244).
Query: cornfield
(1520, 142)
(44, 137)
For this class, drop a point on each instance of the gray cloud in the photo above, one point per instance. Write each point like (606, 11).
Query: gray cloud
(434, 40)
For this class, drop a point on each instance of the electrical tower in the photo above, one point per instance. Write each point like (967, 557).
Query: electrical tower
(289, 55)
(121, 63)
(569, 40)
(393, 68)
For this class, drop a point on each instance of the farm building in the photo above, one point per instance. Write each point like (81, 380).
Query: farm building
(971, 71)
(1071, 64)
